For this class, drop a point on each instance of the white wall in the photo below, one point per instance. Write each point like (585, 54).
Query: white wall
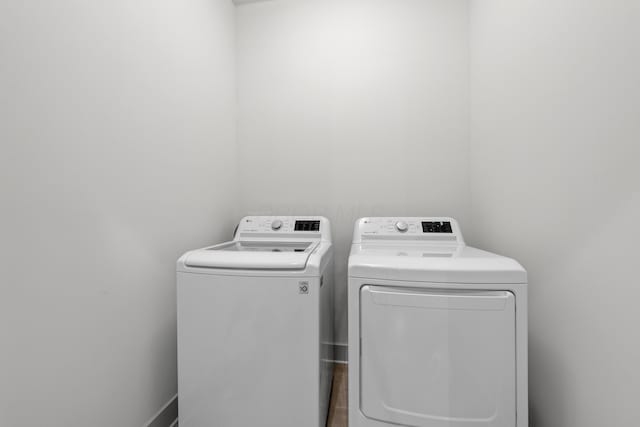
(350, 108)
(556, 184)
(117, 154)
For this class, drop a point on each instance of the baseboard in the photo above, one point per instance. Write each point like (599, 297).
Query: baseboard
(167, 416)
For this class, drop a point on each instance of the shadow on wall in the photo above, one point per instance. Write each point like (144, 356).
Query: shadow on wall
(541, 360)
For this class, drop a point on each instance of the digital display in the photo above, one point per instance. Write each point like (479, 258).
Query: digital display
(307, 226)
(436, 227)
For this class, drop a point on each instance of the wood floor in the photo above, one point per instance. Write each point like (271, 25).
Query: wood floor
(338, 410)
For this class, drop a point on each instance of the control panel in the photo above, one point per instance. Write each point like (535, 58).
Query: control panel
(265, 224)
(413, 228)
(283, 227)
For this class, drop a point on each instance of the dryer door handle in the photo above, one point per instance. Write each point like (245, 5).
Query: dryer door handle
(440, 299)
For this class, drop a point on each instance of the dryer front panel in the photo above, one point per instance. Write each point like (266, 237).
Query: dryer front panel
(438, 358)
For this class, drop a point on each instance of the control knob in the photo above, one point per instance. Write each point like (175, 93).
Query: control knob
(402, 226)
(276, 225)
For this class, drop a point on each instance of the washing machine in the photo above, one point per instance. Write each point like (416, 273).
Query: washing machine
(255, 326)
(437, 329)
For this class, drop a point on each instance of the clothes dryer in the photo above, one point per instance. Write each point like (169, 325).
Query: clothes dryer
(437, 329)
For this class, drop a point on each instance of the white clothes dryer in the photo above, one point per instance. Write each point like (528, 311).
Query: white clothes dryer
(437, 329)
(255, 326)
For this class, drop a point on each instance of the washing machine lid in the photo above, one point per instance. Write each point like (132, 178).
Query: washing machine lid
(258, 255)
(440, 263)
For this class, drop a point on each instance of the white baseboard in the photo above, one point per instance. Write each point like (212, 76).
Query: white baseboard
(167, 416)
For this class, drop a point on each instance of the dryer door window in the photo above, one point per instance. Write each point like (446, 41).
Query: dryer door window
(437, 358)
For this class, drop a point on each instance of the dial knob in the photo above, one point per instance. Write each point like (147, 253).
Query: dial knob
(402, 226)
(276, 224)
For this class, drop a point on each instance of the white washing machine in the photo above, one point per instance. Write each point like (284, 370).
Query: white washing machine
(255, 326)
(437, 329)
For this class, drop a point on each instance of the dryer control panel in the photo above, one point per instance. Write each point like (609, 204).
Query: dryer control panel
(427, 229)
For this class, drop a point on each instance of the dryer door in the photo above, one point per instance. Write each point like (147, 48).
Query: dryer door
(438, 358)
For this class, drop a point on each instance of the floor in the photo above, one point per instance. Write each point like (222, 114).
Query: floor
(338, 412)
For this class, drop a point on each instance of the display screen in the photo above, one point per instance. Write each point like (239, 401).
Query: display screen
(307, 226)
(436, 227)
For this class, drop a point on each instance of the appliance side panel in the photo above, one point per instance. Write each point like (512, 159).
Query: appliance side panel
(522, 355)
(326, 340)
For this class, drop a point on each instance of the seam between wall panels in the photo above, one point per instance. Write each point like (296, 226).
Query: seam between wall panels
(471, 216)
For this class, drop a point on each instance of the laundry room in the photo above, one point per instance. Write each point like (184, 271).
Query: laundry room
(309, 213)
